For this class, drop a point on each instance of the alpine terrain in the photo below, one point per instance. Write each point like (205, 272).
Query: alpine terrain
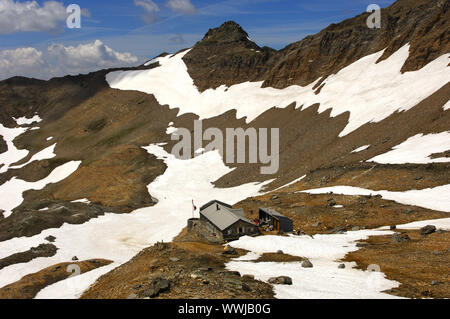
(95, 204)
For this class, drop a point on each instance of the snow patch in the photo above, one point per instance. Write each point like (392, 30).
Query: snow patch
(417, 149)
(360, 149)
(26, 121)
(447, 106)
(432, 198)
(443, 223)
(83, 200)
(46, 153)
(291, 183)
(11, 191)
(12, 155)
(170, 130)
(160, 60)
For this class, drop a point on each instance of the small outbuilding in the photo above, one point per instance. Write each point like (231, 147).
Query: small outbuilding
(279, 222)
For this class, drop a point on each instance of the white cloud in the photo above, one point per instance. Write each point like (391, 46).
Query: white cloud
(182, 6)
(60, 60)
(24, 62)
(86, 57)
(30, 16)
(150, 10)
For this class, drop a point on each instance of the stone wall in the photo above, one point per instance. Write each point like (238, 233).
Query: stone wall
(205, 230)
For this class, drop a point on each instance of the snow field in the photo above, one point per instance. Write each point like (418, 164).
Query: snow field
(369, 91)
(120, 237)
(325, 280)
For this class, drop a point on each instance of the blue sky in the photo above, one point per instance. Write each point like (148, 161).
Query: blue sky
(120, 24)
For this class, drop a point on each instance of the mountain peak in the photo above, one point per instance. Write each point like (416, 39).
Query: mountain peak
(230, 31)
(229, 52)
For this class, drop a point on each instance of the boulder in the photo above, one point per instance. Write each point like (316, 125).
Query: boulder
(339, 230)
(196, 275)
(236, 283)
(435, 283)
(229, 251)
(200, 273)
(307, 264)
(427, 230)
(341, 266)
(245, 287)
(74, 258)
(400, 238)
(161, 246)
(50, 238)
(156, 287)
(437, 253)
(281, 280)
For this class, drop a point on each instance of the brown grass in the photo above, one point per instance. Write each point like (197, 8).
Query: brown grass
(415, 264)
(313, 215)
(176, 262)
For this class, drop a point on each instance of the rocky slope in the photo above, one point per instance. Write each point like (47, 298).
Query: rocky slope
(180, 270)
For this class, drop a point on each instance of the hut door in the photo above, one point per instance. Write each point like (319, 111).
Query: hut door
(276, 225)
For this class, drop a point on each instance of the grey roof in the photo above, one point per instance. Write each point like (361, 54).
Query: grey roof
(224, 217)
(213, 202)
(272, 212)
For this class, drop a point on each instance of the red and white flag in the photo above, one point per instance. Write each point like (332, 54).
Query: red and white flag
(193, 206)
